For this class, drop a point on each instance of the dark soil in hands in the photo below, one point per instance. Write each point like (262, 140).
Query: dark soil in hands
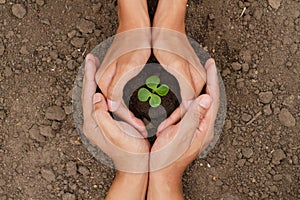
(152, 117)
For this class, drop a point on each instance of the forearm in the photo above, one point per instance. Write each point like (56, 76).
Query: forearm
(176, 9)
(133, 14)
(128, 186)
(165, 187)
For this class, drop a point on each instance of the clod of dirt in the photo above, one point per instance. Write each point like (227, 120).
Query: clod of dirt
(68, 196)
(289, 101)
(275, 3)
(277, 156)
(286, 118)
(34, 134)
(246, 117)
(83, 170)
(7, 72)
(236, 66)
(2, 1)
(46, 131)
(18, 11)
(265, 97)
(24, 50)
(247, 152)
(40, 2)
(267, 110)
(2, 48)
(48, 175)
(85, 26)
(55, 113)
(77, 42)
(71, 169)
(68, 109)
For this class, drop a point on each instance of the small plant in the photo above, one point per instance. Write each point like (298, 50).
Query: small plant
(157, 90)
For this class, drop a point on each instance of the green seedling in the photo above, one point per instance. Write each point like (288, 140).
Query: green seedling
(153, 92)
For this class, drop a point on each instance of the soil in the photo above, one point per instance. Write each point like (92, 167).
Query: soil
(152, 117)
(256, 47)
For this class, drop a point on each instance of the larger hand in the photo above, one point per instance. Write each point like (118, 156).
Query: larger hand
(126, 57)
(124, 144)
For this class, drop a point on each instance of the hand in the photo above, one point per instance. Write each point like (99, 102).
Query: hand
(172, 49)
(124, 144)
(126, 57)
(163, 181)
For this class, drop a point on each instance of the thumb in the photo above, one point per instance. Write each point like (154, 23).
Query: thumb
(195, 113)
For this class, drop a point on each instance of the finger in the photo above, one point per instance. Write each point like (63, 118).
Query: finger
(197, 80)
(125, 114)
(89, 85)
(213, 85)
(104, 79)
(106, 123)
(212, 79)
(184, 79)
(171, 120)
(202, 136)
(121, 77)
(196, 112)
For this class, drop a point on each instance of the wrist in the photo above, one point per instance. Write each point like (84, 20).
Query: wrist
(128, 186)
(165, 186)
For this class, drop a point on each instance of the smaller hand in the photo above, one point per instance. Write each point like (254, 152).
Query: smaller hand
(166, 183)
(124, 144)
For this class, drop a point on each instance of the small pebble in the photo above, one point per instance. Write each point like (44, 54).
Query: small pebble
(277, 156)
(55, 113)
(286, 118)
(18, 11)
(40, 2)
(265, 97)
(48, 175)
(68, 196)
(77, 42)
(275, 3)
(267, 110)
(246, 117)
(247, 152)
(236, 66)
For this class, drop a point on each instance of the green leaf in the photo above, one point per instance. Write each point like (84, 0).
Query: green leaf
(162, 90)
(154, 101)
(152, 82)
(144, 94)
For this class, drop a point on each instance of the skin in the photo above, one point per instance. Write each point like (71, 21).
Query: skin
(127, 66)
(199, 116)
(164, 183)
(126, 185)
(174, 64)
(167, 182)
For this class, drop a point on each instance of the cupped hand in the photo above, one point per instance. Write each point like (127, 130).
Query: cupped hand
(165, 179)
(119, 140)
(174, 52)
(192, 134)
(126, 57)
(114, 79)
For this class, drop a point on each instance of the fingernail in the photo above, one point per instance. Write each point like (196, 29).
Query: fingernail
(113, 105)
(205, 102)
(97, 98)
(212, 63)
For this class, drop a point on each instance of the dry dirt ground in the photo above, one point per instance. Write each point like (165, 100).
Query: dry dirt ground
(256, 46)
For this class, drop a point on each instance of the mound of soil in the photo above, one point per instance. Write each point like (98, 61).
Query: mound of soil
(152, 117)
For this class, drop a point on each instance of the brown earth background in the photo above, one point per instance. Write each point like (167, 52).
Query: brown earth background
(256, 47)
